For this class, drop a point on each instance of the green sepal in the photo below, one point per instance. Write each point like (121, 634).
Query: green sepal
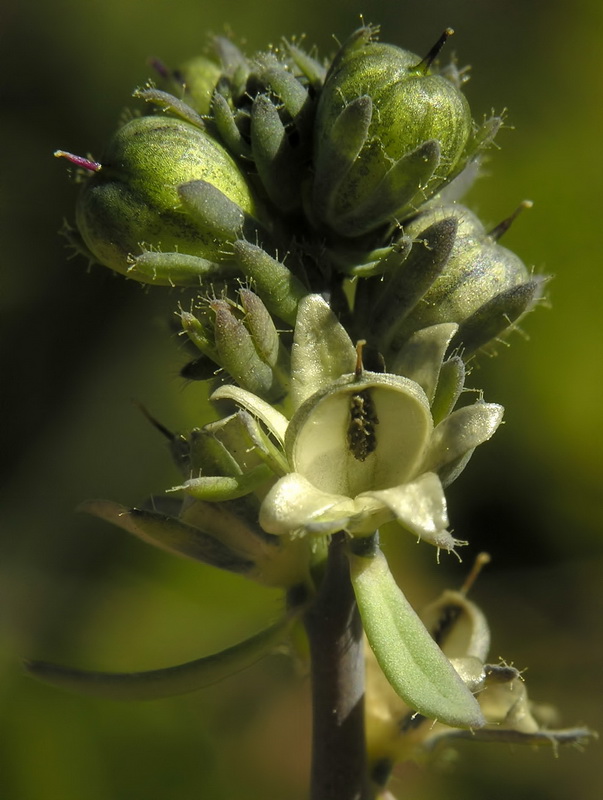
(496, 315)
(483, 135)
(294, 96)
(210, 208)
(359, 263)
(261, 327)
(412, 662)
(405, 180)
(232, 59)
(225, 122)
(278, 287)
(159, 683)
(177, 269)
(450, 385)
(215, 489)
(195, 81)
(276, 161)
(225, 447)
(338, 153)
(238, 355)
(167, 102)
(169, 534)
(266, 339)
(413, 278)
(312, 69)
(199, 336)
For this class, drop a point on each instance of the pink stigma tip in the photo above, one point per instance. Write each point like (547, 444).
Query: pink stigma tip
(79, 161)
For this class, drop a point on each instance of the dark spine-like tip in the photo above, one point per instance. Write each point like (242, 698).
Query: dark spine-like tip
(431, 56)
(160, 68)
(504, 226)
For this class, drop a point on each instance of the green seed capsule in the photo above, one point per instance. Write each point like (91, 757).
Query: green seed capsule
(483, 287)
(405, 142)
(132, 205)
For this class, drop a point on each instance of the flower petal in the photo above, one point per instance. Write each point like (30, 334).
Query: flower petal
(420, 506)
(421, 357)
(294, 503)
(272, 419)
(322, 350)
(461, 432)
(360, 434)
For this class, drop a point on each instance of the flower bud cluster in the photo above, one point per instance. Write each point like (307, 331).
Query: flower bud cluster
(297, 177)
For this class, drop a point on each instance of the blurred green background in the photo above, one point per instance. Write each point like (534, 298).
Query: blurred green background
(78, 346)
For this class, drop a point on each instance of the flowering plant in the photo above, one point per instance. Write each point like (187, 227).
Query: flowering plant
(339, 372)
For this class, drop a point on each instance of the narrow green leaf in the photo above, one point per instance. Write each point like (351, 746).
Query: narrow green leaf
(410, 659)
(158, 683)
(170, 534)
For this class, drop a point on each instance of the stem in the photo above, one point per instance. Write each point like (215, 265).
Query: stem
(336, 650)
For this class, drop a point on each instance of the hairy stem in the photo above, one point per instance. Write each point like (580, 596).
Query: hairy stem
(336, 649)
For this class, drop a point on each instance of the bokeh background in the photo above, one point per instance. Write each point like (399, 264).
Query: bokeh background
(78, 346)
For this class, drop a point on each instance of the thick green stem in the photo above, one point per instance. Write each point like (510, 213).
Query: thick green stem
(336, 649)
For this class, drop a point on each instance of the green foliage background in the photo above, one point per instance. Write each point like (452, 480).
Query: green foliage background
(76, 347)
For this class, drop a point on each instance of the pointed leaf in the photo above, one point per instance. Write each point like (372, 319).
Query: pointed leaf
(410, 659)
(159, 683)
(169, 534)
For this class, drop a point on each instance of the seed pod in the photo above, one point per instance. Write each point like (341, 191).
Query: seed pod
(483, 286)
(389, 134)
(132, 203)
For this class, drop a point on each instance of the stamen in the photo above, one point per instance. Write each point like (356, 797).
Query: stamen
(480, 562)
(359, 365)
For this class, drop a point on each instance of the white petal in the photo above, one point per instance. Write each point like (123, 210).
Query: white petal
(294, 503)
(421, 357)
(272, 419)
(461, 432)
(322, 350)
(420, 507)
(391, 411)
